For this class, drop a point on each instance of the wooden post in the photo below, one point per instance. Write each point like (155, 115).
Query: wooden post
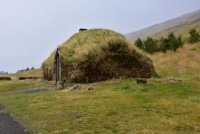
(59, 83)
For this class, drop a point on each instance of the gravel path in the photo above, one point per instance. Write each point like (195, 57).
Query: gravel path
(8, 125)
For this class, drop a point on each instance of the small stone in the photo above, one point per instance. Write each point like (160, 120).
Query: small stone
(59, 85)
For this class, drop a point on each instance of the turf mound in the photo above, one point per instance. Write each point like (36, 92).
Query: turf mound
(97, 55)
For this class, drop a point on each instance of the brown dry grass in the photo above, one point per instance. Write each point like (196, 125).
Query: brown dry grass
(30, 73)
(35, 72)
(184, 63)
(82, 44)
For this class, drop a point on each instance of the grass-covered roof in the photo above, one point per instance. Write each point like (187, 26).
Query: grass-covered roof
(99, 47)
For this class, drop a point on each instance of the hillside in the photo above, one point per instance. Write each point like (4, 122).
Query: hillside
(180, 25)
(185, 63)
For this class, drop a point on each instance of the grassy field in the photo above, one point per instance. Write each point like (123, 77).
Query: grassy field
(116, 106)
(15, 85)
(184, 64)
(34, 72)
(29, 73)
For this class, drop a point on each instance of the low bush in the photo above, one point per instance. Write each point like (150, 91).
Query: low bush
(5, 78)
(194, 36)
(151, 45)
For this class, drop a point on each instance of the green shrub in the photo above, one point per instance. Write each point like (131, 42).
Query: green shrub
(151, 45)
(139, 43)
(194, 36)
(171, 43)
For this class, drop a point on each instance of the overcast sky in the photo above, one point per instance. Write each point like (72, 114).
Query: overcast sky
(31, 29)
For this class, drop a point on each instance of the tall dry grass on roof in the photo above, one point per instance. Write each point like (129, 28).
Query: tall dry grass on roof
(99, 54)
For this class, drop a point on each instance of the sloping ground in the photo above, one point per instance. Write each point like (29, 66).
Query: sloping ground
(96, 55)
(182, 30)
(184, 63)
(179, 25)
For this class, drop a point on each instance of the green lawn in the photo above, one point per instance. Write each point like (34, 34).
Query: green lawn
(16, 86)
(120, 106)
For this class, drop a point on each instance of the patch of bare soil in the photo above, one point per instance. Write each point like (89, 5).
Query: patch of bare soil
(170, 80)
(79, 87)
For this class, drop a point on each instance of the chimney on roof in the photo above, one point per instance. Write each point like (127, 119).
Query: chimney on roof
(82, 29)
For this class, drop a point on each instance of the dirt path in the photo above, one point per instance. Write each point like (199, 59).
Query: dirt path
(8, 125)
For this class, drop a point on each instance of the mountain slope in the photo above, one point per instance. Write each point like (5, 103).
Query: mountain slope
(179, 25)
